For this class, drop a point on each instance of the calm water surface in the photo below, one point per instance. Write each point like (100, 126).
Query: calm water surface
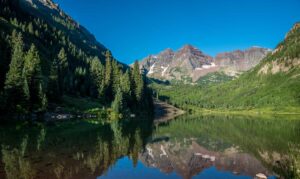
(191, 146)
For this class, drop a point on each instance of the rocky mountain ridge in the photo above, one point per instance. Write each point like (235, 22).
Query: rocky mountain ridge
(190, 63)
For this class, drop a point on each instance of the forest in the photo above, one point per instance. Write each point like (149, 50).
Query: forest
(43, 61)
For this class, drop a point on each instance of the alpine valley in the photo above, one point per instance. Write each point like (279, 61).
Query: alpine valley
(270, 85)
(70, 108)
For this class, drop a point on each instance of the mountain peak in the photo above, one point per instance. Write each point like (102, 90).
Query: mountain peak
(167, 51)
(48, 3)
(191, 63)
(189, 49)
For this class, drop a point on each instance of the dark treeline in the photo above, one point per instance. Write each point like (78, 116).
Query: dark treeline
(40, 63)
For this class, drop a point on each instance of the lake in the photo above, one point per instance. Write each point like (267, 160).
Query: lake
(190, 146)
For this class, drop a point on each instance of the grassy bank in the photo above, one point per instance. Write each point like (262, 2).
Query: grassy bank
(259, 111)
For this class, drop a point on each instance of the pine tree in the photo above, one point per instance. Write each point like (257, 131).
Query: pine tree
(53, 85)
(62, 69)
(14, 75)
(15, 84)
(42, 99)
(32, 72)
(96, 70)
(116, 75)
(26, 92)
(118, 103)
(108, 77)
(32, 67)
(125, 83)
(30, 28)
(138, 82)
(108, 68)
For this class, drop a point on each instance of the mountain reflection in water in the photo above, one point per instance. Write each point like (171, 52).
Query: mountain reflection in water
(191, 146)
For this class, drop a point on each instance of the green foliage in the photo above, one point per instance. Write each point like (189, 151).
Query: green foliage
(125, 84)
(214, 78)
(97, 74)
(14, 75)
(16, 86)
(108, 76)
(277, 92)
(118, 103)
(53, 91)
(290, 47)
(138, 82)
(33, 75)
(116, 76)
(63, 59)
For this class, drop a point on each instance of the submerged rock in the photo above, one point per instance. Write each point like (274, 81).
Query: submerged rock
(260, 176)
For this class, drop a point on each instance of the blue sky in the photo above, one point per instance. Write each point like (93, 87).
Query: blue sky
(133, 29)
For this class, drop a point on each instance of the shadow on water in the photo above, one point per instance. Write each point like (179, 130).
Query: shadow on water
(190, 145)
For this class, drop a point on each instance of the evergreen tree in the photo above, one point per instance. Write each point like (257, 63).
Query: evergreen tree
(32, 65)
(118, 103)
(62, 70)
(42, 99)
(53, 85)
(26, 92)
(32, 72)
(30, 28)
(15, 85)
(125, 83)
(108, 68)
(138, 82)
(116, 75)
(96, 70)
(14, 75)
(108, 77)
(125, 86)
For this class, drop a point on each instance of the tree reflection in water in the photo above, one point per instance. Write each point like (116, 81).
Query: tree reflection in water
(186, 146)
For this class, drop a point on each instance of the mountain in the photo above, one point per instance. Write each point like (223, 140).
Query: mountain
(271, 86)
(286, 57)
(44, 24)
(46, 56)
(178, 65)
(190, 64)
(240, 60)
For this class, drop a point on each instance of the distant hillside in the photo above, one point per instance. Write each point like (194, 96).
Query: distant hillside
(46, 55)
(274, 84)
(43, 23)
(189, 64)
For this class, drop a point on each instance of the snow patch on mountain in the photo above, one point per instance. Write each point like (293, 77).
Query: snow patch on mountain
(151, 71)
(164, 70)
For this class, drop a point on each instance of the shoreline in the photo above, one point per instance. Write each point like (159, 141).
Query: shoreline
(164, 112)
(245, 112)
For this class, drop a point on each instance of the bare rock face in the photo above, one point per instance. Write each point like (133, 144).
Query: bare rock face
(241, 60)
(177, 65)
(190, 64)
